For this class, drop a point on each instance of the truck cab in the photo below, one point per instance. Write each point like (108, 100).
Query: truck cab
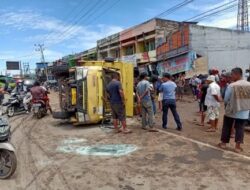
(83, 96)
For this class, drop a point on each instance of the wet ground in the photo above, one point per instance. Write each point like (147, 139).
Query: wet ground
(54, 155)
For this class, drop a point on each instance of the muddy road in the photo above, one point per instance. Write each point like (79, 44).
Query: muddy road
(53, 155)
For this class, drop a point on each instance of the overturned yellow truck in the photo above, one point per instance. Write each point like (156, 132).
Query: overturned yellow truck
(82, 90)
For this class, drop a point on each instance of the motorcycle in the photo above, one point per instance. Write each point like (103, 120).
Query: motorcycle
(8, 160)
(15, 105)
(39, 108)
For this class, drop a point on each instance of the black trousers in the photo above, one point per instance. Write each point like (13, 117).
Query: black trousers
(238, 124)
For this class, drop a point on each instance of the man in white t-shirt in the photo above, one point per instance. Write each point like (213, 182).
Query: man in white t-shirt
(212, 102)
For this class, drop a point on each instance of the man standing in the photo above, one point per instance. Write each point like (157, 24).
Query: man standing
(144, 98)
(237, 101)
(203, 107)
(168, 89)
(116, 97)
(212, 102)
(180, 86)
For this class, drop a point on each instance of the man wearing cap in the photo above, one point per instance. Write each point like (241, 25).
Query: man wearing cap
(212, 102)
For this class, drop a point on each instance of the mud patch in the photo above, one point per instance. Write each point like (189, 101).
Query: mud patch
(115, 150)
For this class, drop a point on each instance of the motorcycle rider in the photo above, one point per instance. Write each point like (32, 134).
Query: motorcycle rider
(26, 100)
(39, 93)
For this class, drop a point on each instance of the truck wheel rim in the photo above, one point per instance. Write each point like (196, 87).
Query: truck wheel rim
(5, 163)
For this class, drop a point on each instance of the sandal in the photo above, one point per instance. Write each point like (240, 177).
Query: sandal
(222, 146)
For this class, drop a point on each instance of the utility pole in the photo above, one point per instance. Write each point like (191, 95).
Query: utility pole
(26, 68)
(40, 48)
(242, 20)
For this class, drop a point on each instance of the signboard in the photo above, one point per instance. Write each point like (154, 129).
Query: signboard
(12, 65)
(130, 59)
(177, 65)
(41, 65)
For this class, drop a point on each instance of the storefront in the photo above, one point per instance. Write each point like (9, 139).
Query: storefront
(179, 64)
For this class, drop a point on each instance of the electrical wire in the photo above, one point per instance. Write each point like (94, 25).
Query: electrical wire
(104, 11)
(73, 10)
(215, 13)
(71, 28)
(174, 8)
(201, 14)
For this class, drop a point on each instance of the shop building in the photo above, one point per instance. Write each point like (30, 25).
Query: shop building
(195, 49)
(137, 44)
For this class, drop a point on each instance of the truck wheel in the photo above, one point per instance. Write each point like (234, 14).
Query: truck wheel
(8, 163)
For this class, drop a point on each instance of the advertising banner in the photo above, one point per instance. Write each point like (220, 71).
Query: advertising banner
(12, 65)
(130, 59)
(178, 64)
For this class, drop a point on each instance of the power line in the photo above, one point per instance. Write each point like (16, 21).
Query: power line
(216, 13)
(68, 16)
(174, 8)
(168, 11)
(69, 29)
(104, 11)
(202, 14)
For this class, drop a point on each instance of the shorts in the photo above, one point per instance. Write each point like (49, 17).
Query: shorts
(213, 113)
(203, 107)
(118, 111)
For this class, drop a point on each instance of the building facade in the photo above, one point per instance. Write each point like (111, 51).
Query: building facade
(195, 49)
(137, 44)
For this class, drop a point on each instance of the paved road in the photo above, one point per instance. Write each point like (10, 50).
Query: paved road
(54, 155)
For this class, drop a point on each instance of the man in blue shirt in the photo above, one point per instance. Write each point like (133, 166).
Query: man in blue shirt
(168, 88)
(238, 119)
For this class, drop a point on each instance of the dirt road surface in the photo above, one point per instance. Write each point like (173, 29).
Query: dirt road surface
(53, 155)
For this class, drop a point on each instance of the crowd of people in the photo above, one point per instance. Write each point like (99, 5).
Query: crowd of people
(209, 90)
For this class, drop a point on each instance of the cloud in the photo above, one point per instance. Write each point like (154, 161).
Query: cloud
(206, 5)
(227, 20)
(52, 31)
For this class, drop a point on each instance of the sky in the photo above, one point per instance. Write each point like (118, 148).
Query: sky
(71, 26)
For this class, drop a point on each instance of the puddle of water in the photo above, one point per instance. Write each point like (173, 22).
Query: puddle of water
(99, 150)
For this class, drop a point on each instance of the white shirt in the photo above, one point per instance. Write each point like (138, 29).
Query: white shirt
(213, 89)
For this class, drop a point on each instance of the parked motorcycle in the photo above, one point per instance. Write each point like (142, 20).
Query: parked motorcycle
(15, 105)
(39, 108)
(8, 160)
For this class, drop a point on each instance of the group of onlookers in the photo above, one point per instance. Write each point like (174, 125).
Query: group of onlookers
(231, 88)
(209, 90)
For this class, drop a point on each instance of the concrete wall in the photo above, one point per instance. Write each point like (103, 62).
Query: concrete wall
(224, 48)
